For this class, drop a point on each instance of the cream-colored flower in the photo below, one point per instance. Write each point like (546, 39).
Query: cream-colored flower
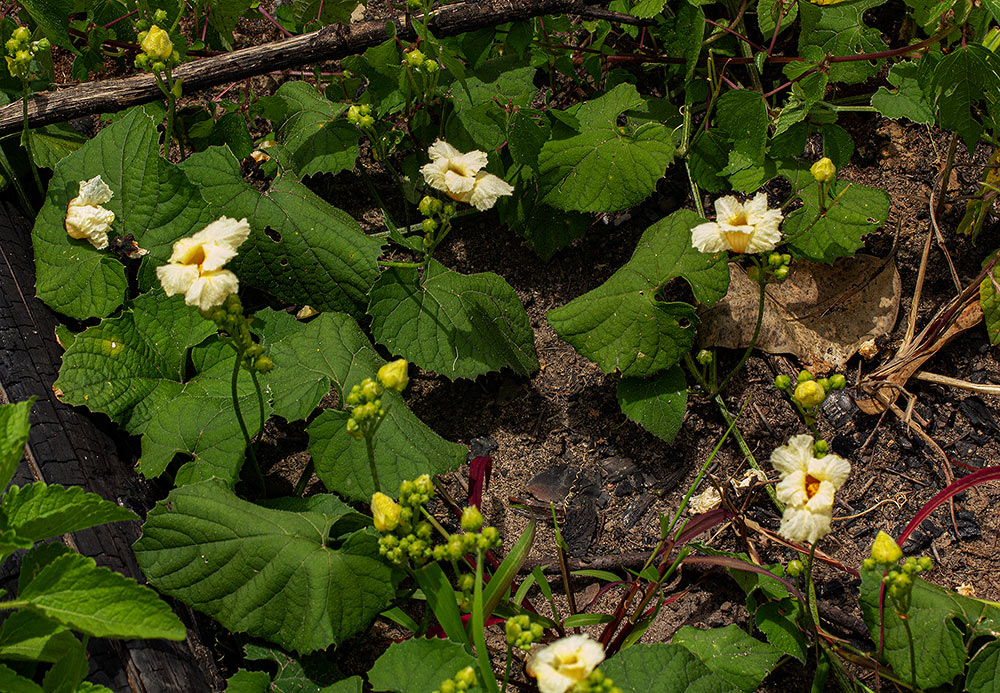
(86, 218)
(458, 175)
(807, 487)
(564, 663)
(740, 227)
(195, 266)
(709, 499)
(385, 512)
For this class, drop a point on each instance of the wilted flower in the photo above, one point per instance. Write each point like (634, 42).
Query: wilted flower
(741, 228)
(157, 44)
(85, 218)
(459, 176)
(966, 590)
(195, 266)
(564, 663)
(807, 487)
(385, 512)
(709, 499)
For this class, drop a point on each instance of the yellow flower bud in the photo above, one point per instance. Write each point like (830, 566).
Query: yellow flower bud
(809, 394)
(385, 512)
(823, 170)
(393, 375)
(885, 549)
(157, 44)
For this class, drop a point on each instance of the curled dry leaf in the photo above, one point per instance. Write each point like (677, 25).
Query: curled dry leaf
(820, 313)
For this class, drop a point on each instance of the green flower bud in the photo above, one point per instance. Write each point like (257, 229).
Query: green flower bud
(157, 45)
(823, 170)
(423, 483)
(467, 582)
(371, 390)
(427, 241)
(424, 530)
(824, 383)
(820, 447)
(925, 563)
(263, 364)
(429, 226)
(142, 61)
(786, 259)
(430, 67)
(393, 376)
(448, 686)
(160, 16)
(364, 109)
(21, 34)
(158, 66)
(449, 210)
(23, 56)
(414, 58)
(868, 564)
(837, 382)
(12, 45)
(426, 206)
(704, 357)
(141, 26)
(488, 538)
(774, 259)
(795, 568)
(466, 676)
(804, 375)
(782, 382)
(456, 547)
(353, 115)
(512, 630)
(809, 393)
(354, 430)
(366, 122)
(472, 519)
(781, 273)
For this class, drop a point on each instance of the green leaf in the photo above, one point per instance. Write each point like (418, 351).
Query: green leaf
(11, 681)
(223, 15)
(323, 12)
(354, 684)
(457, 325)
(37, 558)
(664, 668)
(294, 675)
(768, 13)
(440, 596)
(51, 144)
(989, 301)
(52, 17)
(730, 653)
(301, 249)
(526, 134)
(839, 30)
(269, 573)
(708, 156)
(418, 664)
(38, 511)
(14, 428)
(26, 635)
(405, 448)
(152, 200)
(314, 133)
(742, 115)
(74, 591)
(500, 81)
(623, 325)
(960, 81)
(859, 210)
(65, 675)
(645, 9)
(984, 669)
(127, 365)
(938, 643)
(907, 100)
(244, 681)
(328, 351)
(657, 404)
(777, 622)
(607, 167)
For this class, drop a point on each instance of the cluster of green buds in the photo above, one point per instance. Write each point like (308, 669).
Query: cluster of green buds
(361, 116)
(404, 535)
(158, 52)
(809, 392)
(597, 682)
(462, 681)
(231, 320)
(794, 568)
(21, 52)
(417, 61)
(898, 579)
(521, 632)
(778, 263)
(365, 399)
(437, 220)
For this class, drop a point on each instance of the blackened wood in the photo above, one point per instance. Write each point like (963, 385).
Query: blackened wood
(67, 447)
(329, 43)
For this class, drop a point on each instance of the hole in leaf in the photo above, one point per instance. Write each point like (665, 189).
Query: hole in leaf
(272, 234)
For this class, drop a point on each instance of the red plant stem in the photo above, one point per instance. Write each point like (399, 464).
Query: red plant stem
(264, 13)
(124, 16)
(777, 27)
(736, 34)
(952, 489)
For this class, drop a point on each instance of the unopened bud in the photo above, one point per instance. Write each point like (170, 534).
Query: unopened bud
(809, 394)
(823, 170)
(885, 550)
(472, 519)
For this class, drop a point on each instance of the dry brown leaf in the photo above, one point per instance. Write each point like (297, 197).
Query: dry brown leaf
(820, 313)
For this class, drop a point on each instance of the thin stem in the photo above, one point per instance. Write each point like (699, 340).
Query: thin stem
(506, 669)
(26, 139)
(307, 473)
(946, 173)
(753, 340)
(260, 406)
(913, 658)
(251, 454)
(370, 449)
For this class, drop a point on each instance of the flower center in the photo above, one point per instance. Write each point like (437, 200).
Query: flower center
(739, 219)
(737, 240)
(812, 486)
(196, 256)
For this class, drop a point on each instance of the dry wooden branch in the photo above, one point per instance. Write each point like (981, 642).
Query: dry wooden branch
(329, 43)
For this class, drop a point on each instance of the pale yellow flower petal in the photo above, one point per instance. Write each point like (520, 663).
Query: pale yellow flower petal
(176, 279)
(803, 525)
(708, 238)
(755, 208)
(487, 189)
(90, 222)
(457, 183)
(564, 663)
(727, 208)
(211, 288)
(442, 150)
(794, 456)
(832, 468)
(224, 231)
(93, 192)
(707, 500)
(791, 490)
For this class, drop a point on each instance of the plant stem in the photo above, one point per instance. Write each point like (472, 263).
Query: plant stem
(370, 449)
(478, 623)
(26, 139)
(506, 669)
(913, 659)
(307, 473)
(753, 340)
(251, 454)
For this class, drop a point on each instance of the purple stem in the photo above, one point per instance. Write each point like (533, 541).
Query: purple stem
(273, 21)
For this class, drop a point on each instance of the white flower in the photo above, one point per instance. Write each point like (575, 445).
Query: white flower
(195, 266)
(807, 486)
(459, 176)
(564, 663)
(85, 218)
(741, 228)
(709, 499)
